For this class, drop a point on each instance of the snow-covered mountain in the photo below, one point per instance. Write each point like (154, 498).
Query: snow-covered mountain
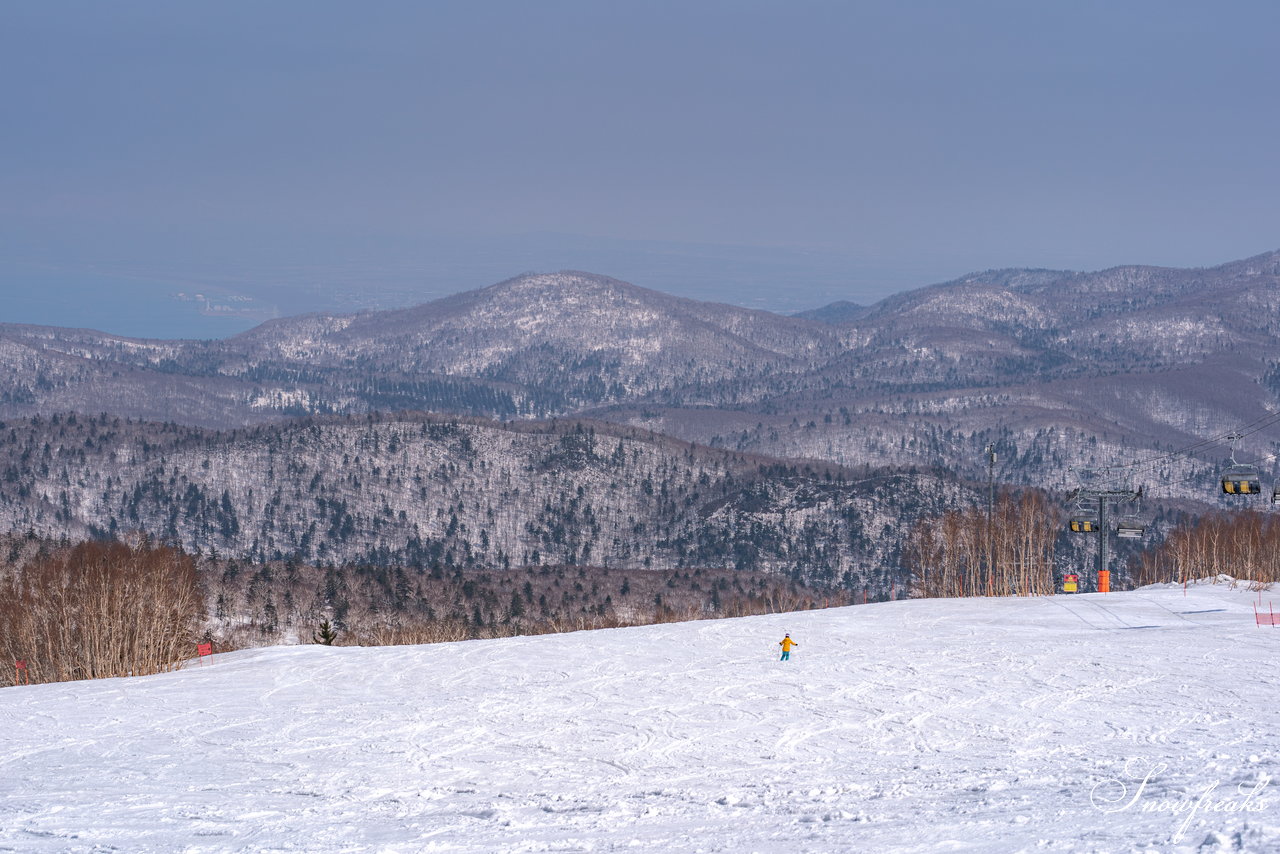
(1061, 370)
(1141, 721)
(479, 331)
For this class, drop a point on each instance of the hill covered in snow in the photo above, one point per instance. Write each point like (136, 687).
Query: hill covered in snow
(1060, 370)
(1141, 721)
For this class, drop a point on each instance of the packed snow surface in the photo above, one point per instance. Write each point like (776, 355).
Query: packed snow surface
(1140, 721)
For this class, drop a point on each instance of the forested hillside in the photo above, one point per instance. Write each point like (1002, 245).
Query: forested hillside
(435, 492)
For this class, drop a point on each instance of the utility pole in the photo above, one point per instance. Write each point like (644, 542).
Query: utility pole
(990, 451)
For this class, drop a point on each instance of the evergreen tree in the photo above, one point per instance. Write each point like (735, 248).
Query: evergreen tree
(326, 634)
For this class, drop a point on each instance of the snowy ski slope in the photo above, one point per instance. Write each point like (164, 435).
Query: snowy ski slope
(1142, 721)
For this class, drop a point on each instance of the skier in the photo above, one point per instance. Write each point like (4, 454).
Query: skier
(786, 644)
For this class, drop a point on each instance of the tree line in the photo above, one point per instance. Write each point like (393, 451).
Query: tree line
(968, 552)
(107, 608)
(98, 610)
(1243, 545)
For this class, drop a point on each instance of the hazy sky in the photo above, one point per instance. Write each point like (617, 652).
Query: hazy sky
(808, 151)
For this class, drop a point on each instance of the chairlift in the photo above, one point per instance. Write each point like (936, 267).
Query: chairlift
(1129, 526)
(1241, 478)
(1275, 493)
(1083, 521)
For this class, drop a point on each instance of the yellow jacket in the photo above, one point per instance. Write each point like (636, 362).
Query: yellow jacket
(786, 644)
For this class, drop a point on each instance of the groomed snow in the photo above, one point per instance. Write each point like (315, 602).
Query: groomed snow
(922, 726)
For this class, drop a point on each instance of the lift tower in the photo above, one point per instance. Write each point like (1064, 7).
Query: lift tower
(1101, 498)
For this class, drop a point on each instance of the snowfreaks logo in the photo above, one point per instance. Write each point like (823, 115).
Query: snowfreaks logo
(1112, 796)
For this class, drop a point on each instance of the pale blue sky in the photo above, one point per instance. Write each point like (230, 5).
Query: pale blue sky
(315, 154)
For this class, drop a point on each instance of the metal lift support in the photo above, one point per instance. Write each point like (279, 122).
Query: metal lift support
(1103, 497)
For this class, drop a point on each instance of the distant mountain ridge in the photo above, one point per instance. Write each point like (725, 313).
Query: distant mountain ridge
(1060, 369)
(641, 335)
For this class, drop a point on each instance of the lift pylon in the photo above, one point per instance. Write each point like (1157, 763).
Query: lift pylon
(1100, 498)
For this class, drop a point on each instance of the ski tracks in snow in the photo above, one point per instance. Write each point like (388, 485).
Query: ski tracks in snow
(912, 726)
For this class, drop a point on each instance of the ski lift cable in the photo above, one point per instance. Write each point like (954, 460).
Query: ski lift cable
(1191, 451)
(1245, 431)
(1195, 476)
(1191, 478)
(1255, 426)
(1139, 465)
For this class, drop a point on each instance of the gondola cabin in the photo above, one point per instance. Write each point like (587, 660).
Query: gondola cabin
(1241, 480)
